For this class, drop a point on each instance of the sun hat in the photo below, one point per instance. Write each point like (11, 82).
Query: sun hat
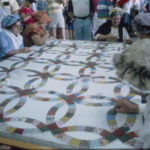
(141, 23)
(115, 12)
(133, 65)
(9, 20)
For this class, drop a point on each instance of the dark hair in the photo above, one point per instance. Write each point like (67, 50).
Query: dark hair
(141, 28)
(31, 1)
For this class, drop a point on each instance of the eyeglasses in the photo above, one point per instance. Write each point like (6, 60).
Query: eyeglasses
(17, 26)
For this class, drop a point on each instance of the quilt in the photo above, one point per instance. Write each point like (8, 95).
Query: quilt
(60, 95)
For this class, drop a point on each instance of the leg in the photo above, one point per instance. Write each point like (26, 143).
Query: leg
(78, 29)
(70, 34)
(53, 32)
(61, 33)
(61, 26)
(87, 29)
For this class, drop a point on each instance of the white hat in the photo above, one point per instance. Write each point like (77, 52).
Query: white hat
(115, 11)
(141, 23)
(133, 65)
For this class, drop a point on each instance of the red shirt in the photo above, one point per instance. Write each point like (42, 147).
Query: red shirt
(122, 2)
(27, 11)
(95, 2)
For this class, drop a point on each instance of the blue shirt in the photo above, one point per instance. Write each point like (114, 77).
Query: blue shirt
(6, 44)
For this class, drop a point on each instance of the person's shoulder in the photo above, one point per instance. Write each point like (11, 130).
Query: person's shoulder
(3, 34)
(33, 27)
(4, 38)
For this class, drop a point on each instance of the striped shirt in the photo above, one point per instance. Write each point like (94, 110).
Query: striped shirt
(54, 6)
(103, 8)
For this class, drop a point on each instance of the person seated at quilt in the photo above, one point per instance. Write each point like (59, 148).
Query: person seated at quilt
(133, 67)
(112, 29)
(35, 33)
(11, 42)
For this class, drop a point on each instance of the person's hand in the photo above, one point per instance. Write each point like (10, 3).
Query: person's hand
(96, 37)
(99, 37)
(128, 41)
(125, 106)
(70, 14)
(25, 50)
(111, 36)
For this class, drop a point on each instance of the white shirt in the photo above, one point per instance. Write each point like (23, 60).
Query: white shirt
(145, 130)
(16, 40)
(11, 7)
(114, 31)
(81, 8)
(127, 6)
(54, 7)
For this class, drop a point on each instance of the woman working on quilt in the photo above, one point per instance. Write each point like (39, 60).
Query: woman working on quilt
(112, 29)
(35, 33)
(11, 42)
(133, 66)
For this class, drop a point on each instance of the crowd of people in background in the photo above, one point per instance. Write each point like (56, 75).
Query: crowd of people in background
(106, 20)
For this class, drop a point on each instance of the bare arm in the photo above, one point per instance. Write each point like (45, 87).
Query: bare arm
(25, 16)
(99, 37)
(125, 106)
(38, 40)
(22, 50)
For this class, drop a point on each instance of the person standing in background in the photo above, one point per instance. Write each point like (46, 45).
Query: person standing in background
(146, 6)
(55, 11)
(140, 4)
(103, 9)
(41, 5)
(82, 12)
(34, 6)
(2, 15)
(26, 13)
(10, 6)
(94, 19)
(120, 3)
(69, 22)
(20, 3)
(126, 6)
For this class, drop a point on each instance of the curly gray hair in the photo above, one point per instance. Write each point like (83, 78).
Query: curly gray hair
(133, 65)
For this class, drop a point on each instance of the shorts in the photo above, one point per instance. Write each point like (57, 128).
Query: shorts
(57, 20)
(70, 26)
